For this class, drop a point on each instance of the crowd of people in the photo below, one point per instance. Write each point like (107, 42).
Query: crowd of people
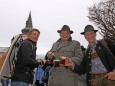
(67, 63)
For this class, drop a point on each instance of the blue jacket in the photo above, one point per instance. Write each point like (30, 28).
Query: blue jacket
(39, 74)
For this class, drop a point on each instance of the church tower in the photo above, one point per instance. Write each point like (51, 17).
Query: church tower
(28, 25)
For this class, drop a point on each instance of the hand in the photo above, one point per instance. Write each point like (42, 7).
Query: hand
(111, 75)
(50, 55)
(68, 62)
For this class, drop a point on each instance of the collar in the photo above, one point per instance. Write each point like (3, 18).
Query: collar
(31, 41)
(93, 44)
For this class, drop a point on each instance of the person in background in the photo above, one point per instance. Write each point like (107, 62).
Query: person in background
(39, 74)
(26, 60)
(5, 82)
(98, 62)
(64, 48)
(47, 68)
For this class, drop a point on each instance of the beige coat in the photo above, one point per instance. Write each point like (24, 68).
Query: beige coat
(62, 76)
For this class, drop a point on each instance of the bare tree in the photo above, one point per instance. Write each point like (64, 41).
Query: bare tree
(103, 15)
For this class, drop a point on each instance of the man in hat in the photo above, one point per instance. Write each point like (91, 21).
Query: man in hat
(98, 62)
(65, 48)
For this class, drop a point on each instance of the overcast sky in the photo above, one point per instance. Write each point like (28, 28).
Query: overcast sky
(48, 16)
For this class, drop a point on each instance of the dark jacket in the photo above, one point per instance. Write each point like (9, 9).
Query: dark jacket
(107, 59)
(26, 62)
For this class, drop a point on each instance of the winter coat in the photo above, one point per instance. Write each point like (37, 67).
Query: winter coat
(63, 76)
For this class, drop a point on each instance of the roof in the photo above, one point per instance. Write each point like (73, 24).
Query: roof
(3, 49)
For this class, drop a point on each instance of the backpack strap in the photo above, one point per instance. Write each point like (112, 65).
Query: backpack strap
(105, 45)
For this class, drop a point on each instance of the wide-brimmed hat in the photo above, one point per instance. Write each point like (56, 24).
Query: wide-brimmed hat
(65, 28)
(88, 28)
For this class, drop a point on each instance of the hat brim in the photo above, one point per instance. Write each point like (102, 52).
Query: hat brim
(59, 31)
(82, 33)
